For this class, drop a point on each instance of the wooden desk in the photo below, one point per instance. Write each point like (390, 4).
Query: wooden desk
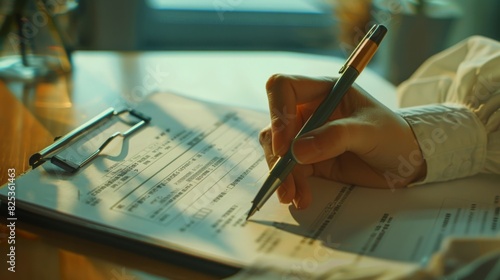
(32, 114)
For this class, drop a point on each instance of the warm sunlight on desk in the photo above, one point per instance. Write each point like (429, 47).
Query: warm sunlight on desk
(103, 79)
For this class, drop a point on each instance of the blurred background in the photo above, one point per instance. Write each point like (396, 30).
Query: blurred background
(417, 28)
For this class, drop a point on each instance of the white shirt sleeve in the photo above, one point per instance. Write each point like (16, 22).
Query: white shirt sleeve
(455, 109)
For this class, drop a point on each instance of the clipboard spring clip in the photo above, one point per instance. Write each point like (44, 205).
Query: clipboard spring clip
(49, 153)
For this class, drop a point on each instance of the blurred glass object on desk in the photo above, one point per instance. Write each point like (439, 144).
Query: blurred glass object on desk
(32, 44)
(418, 29)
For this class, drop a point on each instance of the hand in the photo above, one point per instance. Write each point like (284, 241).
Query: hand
(363, 142)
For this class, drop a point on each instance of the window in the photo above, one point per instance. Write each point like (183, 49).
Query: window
(213, 24)
(236, 24)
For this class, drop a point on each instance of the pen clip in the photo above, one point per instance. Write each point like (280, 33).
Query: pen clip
(353, 53)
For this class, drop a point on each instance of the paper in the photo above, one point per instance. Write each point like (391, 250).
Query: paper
(186, 182)
(272, 268)
(408, 224)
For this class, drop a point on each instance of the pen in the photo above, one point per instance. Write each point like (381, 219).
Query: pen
(356, 62)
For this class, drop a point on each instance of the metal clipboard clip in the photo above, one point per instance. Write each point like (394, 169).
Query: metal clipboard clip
(49, 153)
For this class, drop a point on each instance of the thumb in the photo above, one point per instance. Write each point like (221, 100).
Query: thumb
(333, 139)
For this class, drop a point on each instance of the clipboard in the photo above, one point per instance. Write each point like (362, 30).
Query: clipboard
(50, 152)
(183, 190)
(48, 162)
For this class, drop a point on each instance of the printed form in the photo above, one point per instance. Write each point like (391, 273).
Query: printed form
(186, 182)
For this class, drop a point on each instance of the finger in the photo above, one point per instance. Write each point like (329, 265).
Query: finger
(265, 140)
(286, 192)
(303, 195)
(284, 94)
(333, 139)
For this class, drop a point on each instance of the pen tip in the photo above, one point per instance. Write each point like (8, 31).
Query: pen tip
(251, 212)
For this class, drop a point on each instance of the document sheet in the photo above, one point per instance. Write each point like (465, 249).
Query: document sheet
(185, 182)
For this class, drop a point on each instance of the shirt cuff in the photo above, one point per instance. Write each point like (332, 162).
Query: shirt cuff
(452, 139)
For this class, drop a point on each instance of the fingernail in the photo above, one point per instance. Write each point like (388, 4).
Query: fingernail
(305, 149)
(296, 202)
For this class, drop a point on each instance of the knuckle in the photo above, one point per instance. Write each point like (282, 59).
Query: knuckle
(276, 83)
(265, 136)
